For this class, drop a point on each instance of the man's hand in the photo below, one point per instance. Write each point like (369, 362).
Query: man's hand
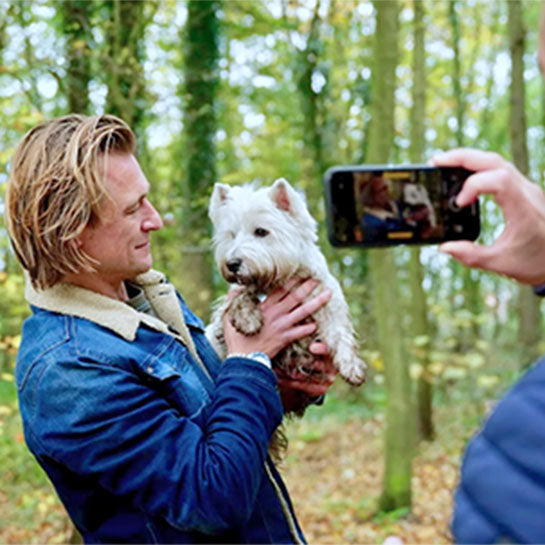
(283, 313)
(519, 252)
(298, 389)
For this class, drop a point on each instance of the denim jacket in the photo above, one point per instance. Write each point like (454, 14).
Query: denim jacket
(146, 435)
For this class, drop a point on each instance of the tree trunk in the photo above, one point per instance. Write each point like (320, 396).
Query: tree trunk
(420, 333)
(528, 303)
(201, 41)
(126, 83)
(470, 280)
(457, 72)
(76, 26)
(312, 106)
(399, 439)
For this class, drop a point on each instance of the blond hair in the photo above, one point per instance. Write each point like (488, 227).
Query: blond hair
(55, 187)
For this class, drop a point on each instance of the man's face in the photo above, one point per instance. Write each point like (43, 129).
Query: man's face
(380, 192)
(120, 239)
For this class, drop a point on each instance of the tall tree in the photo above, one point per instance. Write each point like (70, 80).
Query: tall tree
(76, 15)
(24, 16)
(124, 61)
(312, 85)
(124, 55)
(470, 277)
(457, 71)
(201, 54)
(420, 327)
(396, 491)
(3, 28)
(528, 304)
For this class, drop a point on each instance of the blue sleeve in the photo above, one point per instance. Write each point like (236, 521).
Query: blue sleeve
(501, 495)
(200, 473)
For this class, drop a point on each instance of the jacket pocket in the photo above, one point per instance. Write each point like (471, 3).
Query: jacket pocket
(173, 373)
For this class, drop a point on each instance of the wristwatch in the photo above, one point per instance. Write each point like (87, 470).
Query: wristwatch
(261, 357)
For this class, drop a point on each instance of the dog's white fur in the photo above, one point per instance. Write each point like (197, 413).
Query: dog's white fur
(263, 237)
(417, 195)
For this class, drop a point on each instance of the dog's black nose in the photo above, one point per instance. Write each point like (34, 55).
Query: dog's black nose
(234, 265)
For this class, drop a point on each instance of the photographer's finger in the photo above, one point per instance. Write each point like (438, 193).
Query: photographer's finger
(504, 184)
(470, 254)
(469, 158)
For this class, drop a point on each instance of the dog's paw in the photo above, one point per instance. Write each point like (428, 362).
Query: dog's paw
(247, 325)
(353, 370)
(354, 374)
(245, 316)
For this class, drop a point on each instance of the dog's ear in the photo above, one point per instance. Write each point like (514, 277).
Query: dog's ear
(284, 196)
(287, 199)
(219, 196)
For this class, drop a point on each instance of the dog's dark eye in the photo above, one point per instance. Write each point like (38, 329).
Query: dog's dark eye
(260, 232)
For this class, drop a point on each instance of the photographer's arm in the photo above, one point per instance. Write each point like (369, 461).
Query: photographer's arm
(519, 252)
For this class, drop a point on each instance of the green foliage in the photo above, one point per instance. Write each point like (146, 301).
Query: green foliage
(260, 90)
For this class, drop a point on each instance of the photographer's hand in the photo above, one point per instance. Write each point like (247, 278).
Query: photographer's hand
(519, 252)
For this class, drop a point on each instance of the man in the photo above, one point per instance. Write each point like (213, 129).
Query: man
(146, 435)
(501, 494)
(381, 214)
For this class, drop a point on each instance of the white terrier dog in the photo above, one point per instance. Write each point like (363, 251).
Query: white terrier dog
(263, 237)
(417, 198)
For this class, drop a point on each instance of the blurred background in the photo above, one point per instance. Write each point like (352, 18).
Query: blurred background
(239, 91)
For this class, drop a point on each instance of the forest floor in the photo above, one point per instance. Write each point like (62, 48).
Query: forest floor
(333, 471)
(334, 474)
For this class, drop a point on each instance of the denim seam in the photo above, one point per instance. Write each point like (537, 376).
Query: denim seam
(43, 354)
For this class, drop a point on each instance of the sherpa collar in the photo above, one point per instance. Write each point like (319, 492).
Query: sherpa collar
(66, 298)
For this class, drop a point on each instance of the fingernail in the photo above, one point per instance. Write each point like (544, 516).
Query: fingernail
(439, 156)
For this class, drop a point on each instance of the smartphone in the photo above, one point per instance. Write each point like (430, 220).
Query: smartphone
(383, 205)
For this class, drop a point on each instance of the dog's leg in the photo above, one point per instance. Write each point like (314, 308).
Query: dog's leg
(245, 313)
(351, 366)
(335, 328)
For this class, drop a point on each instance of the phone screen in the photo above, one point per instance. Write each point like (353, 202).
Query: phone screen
(378, 206)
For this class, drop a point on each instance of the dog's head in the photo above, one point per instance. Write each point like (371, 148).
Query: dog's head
(261, 235)
(414, 194)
